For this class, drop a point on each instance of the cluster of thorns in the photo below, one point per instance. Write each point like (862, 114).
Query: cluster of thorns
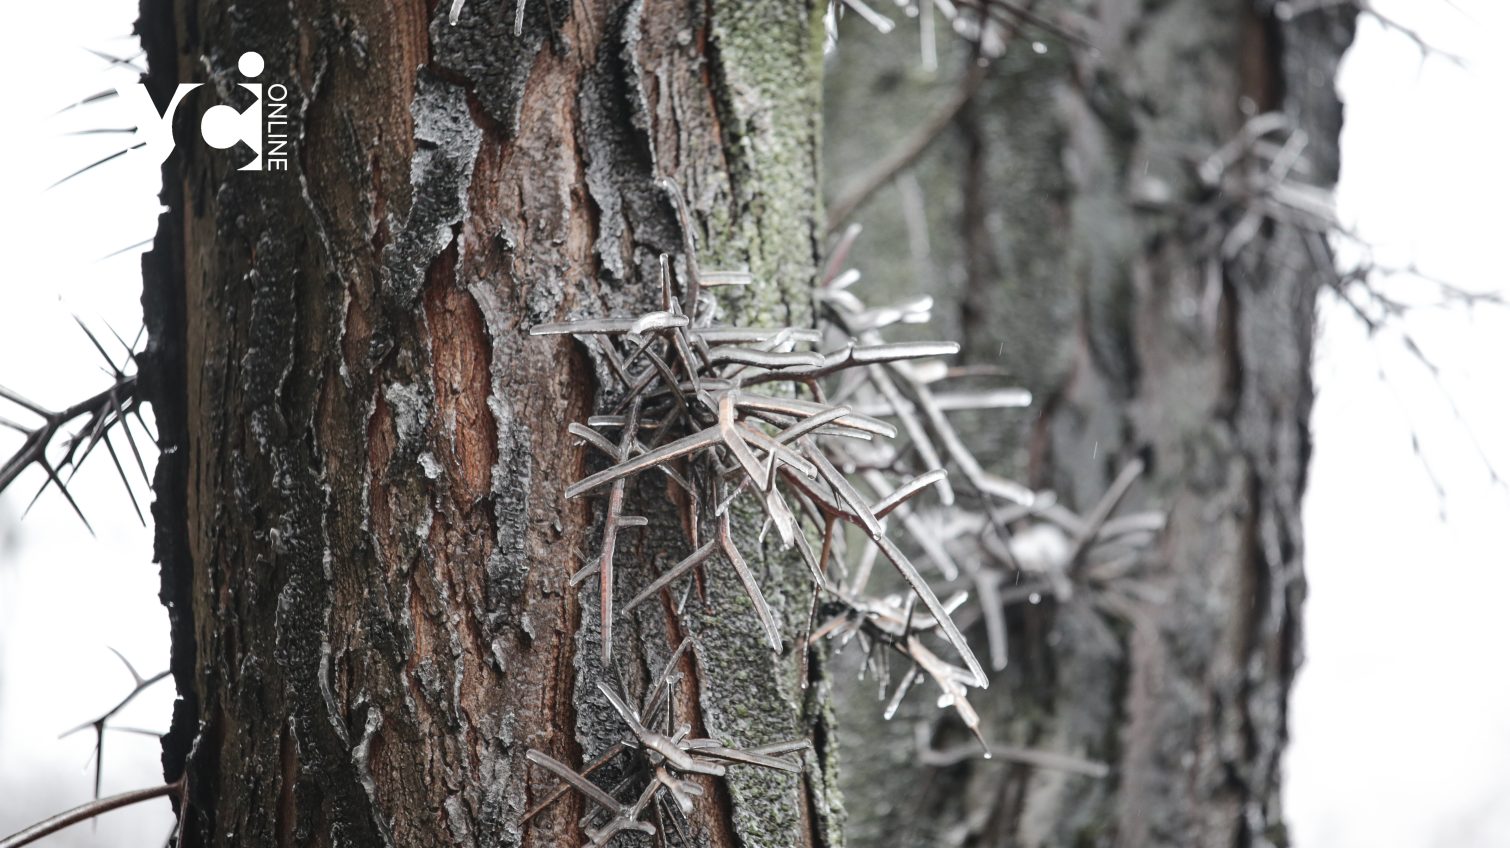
(112, 409)
(988, 24)
(792, 418)
(669, 762)
(797, 419)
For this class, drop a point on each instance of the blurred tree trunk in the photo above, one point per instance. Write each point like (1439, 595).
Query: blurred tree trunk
(1061, 221)
(364, 542)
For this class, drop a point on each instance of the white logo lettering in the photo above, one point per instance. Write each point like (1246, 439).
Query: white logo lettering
(221, 127)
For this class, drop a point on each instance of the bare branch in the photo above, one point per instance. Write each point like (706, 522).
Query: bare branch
(85, 812)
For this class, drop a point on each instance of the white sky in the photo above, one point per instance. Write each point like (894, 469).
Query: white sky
(1401, 717)
(64, 596)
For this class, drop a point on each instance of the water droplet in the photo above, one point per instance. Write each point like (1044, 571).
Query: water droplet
(1040, 48)
(1034, 598)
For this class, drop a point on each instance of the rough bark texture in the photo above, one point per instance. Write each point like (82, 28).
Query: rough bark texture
(364, 542)
(1063, 223)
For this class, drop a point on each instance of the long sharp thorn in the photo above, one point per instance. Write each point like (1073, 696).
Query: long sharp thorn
(136, 678)
(52, 476)
(680, 447)
(936, 609)
(113, 60)
(578, 782)
(915, 429)
(99, 758)
(812, 562)
(778, 748)
(93, 98)
(652, 701)
(805, 643)
(1104, 509)
(808, 425)
(125, 481)
(131, 442)
(988, 595)
(726, 539)
(605, 569)
(693, 288)
(665, 266)
(692, 561)
(603, 760)
(29, 406)
(750, 757)
(845, 491)
(142, 422)
(120, 705)
(130, 353)
(907, 490)
(91, 166)
(622, 708)
(611, 526)
(778, 450)
(734, 440)
(902, 687)
(127, 249)
(609, 326)
(805, 408)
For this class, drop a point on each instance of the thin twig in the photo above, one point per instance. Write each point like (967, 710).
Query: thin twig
(907, 152)
(85, 812)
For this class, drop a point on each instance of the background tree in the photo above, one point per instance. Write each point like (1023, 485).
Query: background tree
(1109, 224)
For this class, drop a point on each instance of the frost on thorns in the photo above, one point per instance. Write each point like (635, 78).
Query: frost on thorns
(799, 420)
(988, 24)
(664, 756)
(720, 410)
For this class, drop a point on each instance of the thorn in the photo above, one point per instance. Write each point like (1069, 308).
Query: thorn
(97, 163)
(127, 249)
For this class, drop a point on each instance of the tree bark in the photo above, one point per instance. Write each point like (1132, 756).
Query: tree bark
(360, 519)
(1072, 242)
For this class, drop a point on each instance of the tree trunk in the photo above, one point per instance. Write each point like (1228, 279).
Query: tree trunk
(360, 511)
(1072, 242)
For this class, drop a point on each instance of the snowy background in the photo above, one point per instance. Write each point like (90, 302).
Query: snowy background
(1401, 717)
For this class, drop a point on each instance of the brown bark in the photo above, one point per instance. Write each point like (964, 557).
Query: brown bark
(1074, 242)
(360, 517)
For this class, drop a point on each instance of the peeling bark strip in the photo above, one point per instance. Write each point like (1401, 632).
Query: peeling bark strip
(1065, 212)
(361, 517)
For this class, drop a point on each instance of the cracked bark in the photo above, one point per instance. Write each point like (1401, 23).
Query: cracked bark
(1051, 266)
(359, 509)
